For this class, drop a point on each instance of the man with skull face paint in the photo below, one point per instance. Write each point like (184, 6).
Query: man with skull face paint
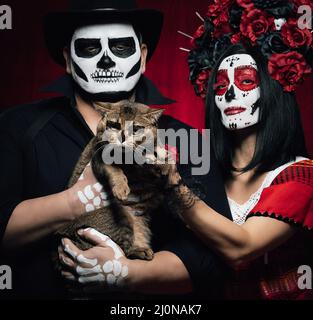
(105, 45)
(106, 60)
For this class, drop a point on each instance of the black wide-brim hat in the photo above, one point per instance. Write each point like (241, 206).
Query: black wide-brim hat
(60, 26)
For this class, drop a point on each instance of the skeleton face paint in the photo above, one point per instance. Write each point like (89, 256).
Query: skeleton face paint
(237, 91)
(106, 58)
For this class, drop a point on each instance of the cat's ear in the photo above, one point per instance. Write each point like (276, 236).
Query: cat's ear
(103, 108)
(153, 115)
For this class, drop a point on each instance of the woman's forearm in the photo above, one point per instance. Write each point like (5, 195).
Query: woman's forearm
(236, 244)
(33, 220)
(165, 274)
(224, 236)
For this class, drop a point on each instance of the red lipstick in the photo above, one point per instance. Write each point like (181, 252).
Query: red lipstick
(234, 110)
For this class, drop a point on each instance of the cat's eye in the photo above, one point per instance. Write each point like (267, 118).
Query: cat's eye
(137, 128)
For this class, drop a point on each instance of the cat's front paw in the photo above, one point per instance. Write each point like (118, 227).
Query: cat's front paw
(121, 191)
(141, 253)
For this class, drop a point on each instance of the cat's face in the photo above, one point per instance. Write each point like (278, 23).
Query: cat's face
(130, 125)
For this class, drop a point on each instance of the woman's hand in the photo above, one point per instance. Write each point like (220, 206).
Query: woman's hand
(98, 269)
(87, 194)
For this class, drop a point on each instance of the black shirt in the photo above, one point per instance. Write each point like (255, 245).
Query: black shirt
(40, 146)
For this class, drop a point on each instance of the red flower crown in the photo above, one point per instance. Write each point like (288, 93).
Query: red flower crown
(270, 25)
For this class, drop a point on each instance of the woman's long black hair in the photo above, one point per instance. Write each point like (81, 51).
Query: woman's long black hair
(280, 137)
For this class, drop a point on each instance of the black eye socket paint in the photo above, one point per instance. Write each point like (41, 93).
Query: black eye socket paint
(87, 48)
(123, 47)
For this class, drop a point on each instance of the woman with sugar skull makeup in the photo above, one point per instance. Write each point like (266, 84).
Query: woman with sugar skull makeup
(104, 45)
(258, 140)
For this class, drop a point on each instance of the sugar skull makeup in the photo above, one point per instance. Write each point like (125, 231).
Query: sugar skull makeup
(237, 91)
(106, 58)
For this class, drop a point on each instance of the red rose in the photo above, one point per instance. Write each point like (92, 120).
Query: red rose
(202, 82)
(236, 38)
(198, 34)
(247, 4)
(295, 37)
(289, 69)
(255, 23)
(214, 11)
(218, 14)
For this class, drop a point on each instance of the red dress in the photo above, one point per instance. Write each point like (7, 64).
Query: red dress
(275, 276)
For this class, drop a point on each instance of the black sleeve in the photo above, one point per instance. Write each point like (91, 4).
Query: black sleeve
(11, 177)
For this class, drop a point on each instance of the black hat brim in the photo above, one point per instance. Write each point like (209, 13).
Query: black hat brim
(60, 26)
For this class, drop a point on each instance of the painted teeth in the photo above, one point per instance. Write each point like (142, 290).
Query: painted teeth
(104, 80)
(106, 74)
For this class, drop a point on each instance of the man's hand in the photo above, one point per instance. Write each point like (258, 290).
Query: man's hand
(102, 267)
(87, 194)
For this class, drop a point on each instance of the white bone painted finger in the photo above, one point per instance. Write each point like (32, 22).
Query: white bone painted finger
(86, 271)
(83, 259)
(92, 279)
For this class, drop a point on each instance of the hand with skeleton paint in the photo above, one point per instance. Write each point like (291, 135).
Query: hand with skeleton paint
(102, 267)
(87, 194)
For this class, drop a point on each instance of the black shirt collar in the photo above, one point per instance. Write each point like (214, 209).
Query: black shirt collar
(146, 92)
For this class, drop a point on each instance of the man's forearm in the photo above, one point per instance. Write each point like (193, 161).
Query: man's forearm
(165, 274)
(33, 220)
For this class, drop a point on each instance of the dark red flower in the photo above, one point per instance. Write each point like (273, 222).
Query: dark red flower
(236, 38)
(255, 23)
(289, 69)
(202, 82)
(218, 14)
(214, 11)
(198, 34)
(247, 4)
(295, 37)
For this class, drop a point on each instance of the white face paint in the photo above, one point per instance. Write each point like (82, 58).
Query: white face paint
(106, 58)
(237, 92)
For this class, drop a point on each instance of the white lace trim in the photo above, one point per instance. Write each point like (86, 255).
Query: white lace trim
(240, 211)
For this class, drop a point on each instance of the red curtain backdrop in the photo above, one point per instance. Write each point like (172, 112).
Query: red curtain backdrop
(26, 66)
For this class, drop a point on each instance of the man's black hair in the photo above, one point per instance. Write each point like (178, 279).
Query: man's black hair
(280, 137)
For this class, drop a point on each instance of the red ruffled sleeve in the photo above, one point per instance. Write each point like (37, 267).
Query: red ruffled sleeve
(290, 196)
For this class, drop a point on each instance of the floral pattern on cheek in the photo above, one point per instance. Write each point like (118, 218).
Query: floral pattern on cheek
(222, 83)
(246, 78)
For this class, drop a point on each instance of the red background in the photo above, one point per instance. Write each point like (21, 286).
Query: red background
(25, 64)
